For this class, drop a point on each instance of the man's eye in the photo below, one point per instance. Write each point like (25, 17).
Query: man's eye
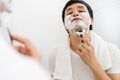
(80, 11)
(69, 13)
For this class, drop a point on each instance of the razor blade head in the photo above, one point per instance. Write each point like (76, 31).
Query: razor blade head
(81, 32)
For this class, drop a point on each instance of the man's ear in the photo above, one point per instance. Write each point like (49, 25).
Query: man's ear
(91, 25)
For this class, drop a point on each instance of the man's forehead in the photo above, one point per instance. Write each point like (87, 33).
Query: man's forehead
(76, 5)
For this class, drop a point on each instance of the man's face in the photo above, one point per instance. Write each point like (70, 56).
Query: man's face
(5, 10)
(77, 18)
(5, 5)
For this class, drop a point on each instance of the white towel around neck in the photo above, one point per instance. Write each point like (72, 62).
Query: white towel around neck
(63, 68)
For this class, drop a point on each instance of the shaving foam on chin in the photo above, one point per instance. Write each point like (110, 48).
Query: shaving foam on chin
(83, 23)
(78, 27)
(81, 32)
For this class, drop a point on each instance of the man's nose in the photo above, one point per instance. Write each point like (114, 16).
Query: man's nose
(75, 14)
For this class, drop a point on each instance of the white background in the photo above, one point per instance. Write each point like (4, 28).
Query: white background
(40, 21)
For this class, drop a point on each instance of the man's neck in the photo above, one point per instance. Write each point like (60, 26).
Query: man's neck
(76, 40)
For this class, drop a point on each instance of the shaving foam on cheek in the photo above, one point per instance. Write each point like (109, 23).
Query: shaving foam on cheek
(68, 22)
(86, 19)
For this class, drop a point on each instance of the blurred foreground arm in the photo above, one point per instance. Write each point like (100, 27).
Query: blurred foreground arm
(28, 48)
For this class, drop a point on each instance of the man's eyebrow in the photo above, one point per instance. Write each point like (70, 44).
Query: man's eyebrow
(80, 6)
(77, 7)
(68, 9)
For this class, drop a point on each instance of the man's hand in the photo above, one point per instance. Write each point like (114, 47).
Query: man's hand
(83, 47)
(86, 52)
(28, 48)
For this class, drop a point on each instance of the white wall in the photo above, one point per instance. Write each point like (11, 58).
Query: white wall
(106, 21)
(41, 22)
